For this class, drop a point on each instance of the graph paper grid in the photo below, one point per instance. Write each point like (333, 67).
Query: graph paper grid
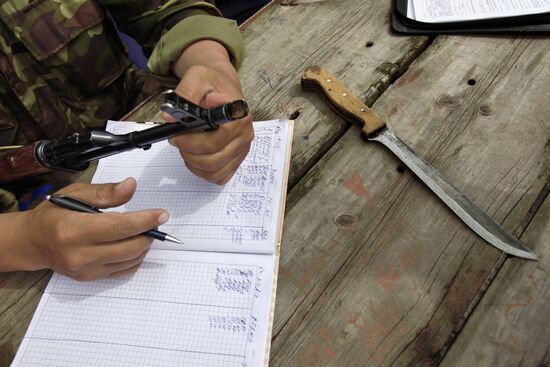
(212, 306)
(241, 216)
(180, 308)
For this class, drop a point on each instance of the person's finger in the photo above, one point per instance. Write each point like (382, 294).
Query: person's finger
(210, 142)
(102, 195)
(108, 227)
(167, 117)
(219, 175)
(124, 265)
(204, 142)
(214, 162)
(95, 271)
(222, 94)
(195, 84)
(228, 171)
(126, 272)
(114, 252)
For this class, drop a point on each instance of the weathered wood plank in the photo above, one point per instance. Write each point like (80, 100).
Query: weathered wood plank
(511, 325)
(19, 295)
(349, 37)
(374, 269)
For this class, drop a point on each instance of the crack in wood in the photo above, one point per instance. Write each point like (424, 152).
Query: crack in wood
(31, 288)
(298, 2)
(520, 230)
(392, 71)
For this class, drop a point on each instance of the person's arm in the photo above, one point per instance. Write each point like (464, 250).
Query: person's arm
(209, 79)
(164, 29)
(79, 245)
(204, 51)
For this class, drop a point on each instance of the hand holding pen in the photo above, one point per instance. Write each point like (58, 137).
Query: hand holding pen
(85, 246)
(77, 205)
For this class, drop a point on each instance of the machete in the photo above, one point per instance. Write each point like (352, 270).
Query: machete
(373, 128)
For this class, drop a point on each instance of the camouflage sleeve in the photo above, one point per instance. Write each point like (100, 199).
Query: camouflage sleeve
(8, 203)
(165, 28)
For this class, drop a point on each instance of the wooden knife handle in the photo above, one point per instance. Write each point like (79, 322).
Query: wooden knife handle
(342, 100)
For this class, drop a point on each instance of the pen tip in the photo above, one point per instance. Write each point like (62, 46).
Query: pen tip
(173, 239)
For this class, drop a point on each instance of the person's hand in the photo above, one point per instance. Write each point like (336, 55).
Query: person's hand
(87, 246)
(209, 79)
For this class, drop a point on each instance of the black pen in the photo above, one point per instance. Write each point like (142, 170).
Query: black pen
(77, 205)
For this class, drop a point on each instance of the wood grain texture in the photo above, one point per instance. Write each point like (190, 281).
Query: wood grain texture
(287, 38)
(19, 296)
(374, 269)
(511, 325)
(318, 79)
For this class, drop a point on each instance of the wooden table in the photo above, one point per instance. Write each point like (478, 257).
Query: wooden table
(374, 269)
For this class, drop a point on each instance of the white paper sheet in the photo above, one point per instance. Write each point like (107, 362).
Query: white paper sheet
(443, 11)
(410, 9)
(241, 216)
(181, 308)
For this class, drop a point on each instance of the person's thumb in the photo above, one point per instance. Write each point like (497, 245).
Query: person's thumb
(102, 195)
(196, 84)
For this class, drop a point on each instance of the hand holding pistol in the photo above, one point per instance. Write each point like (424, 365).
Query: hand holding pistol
(77, 151)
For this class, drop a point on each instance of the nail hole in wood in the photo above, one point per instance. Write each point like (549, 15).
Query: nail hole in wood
(401, 168)
(294, 115)
(471, 82)
(369, 44)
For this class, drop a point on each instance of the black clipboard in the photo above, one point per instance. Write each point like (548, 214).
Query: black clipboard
(536, 23)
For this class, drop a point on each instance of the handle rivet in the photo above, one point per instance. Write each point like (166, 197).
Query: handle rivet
(345, 94)
(362, 110)
(329, 80)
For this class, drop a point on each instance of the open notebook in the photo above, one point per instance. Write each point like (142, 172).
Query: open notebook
(208, 302)
(442, 11)
(471, 16)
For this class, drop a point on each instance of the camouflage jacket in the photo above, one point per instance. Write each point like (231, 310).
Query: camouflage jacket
(63, 68)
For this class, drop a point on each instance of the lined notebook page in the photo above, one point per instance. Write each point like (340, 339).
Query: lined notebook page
(241, 216)
(181, 308)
